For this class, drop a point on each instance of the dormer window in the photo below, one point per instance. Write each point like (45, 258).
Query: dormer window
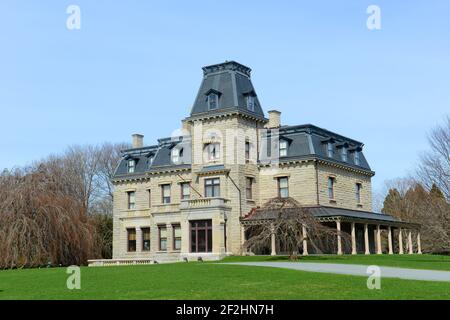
(177, 155)
(283, 148)
(330, 149)
(213, 101)
(250, 103)
(356, 157)
(344, 153)
(131, 165)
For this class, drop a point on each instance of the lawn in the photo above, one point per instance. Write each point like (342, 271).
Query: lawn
(215, 281)
(415, 261)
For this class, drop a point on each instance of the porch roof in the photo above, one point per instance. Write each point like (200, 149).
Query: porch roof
(325, 213)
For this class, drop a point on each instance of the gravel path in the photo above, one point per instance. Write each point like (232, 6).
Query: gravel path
(356, 270)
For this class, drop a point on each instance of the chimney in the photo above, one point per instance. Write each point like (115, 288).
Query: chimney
(274, 119)
(138, 140)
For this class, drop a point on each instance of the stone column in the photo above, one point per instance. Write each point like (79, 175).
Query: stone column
(366, 239)
(272, 236)
(339, 240)
(410, 245)
(390, 240)
(138, 239)
(169, 231)
(243, 239)
(353, 238)
(378, 240)
(400, 241)
(305, 242)
(419, 245)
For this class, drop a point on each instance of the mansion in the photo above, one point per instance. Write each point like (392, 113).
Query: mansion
(195, 194)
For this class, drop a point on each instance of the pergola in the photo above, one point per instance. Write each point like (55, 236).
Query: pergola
(352, 221)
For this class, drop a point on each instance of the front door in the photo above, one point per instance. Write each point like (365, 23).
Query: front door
(201, 235)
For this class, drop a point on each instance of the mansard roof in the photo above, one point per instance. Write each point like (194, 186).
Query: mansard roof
(309, 141)
(152, 158)
(231, 81)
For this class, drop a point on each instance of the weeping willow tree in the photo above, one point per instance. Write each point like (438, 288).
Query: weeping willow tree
(40, 223)
(287, 219)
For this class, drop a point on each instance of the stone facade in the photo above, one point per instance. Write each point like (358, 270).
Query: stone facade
(234, 131)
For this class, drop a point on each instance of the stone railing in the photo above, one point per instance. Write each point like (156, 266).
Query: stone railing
(118, 262)
(203, 202)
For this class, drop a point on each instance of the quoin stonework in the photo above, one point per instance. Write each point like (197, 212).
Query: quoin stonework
(194, 194)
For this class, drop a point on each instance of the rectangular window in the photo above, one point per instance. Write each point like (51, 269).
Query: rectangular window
(175, 155)
(176, 237)
(213, 101)
(248, 188)
(131, 200)
(330, 149)
(251, 103)
(247, 151)
(283, 187)
(145, 239)
(344, 154)
(283, 148)
(162, 238)
(212, 187)
(131, 165)
(358, 192)
(131, 236)
(185, 190)
(331, 187)
(201, 236)
(165, 192)
(356, 157)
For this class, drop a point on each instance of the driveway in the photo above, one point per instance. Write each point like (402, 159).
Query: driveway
(355, 270)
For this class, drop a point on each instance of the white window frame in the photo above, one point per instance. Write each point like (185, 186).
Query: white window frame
(131, 165)
(283, 149)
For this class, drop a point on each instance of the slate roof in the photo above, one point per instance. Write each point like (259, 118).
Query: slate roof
(152, 158)
(306, 141)
(323, 212)
(231, 80)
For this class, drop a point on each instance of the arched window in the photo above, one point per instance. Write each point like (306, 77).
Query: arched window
(212, 151)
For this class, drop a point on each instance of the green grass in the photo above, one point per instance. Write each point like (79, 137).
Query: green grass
(217, 281)
(415, 261)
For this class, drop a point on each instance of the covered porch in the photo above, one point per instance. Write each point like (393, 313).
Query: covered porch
(370, 233)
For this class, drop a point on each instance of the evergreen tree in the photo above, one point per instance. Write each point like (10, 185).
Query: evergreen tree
(392, 202)
(436, 193)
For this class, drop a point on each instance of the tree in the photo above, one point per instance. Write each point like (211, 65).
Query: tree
(435, 164)
(59, 210)
(393, 202)
(288, 218)
(436, 193)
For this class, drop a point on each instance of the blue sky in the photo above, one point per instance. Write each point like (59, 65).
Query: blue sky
(135, 66)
